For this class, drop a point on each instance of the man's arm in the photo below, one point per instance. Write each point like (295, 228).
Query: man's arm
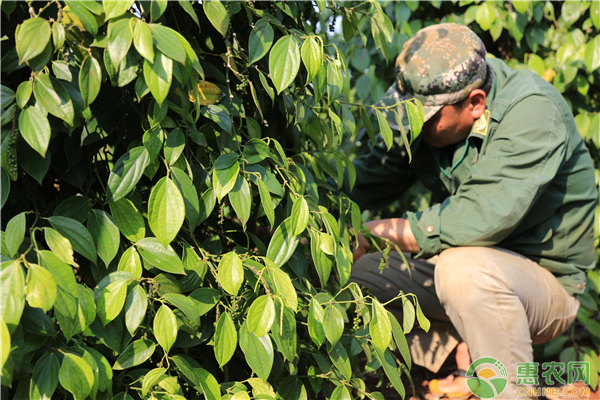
(397, 230)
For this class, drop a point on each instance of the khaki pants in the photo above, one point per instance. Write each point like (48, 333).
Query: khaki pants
(499, 302)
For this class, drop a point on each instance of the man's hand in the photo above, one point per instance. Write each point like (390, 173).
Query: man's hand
(363, 247)
(396, 230)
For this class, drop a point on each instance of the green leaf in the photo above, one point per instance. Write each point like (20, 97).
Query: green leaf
(380, 326)
(423, 321)
(284, 333)
(45, 377)
(284, 62)
(225, 339)
(159, 256)
(315, 322)
(174, 146)
(209, 384)
(486, 15)
(168, 43)
(240, 198)
(41, 289)
(130, 262)
(126, 173)
(521, 6)
(231, 273)
(143, 41)
(35, 129)
(300, 215)
(53, 96)
(260, 41)
(165, 327)
(135, 354)
(595, 14)
(120, 38)
(24, 93)
(115, 8)
(5, 187)
(367, 124)
(292, 388)
(416, 116)
(333, 324)
(190, 196)
(391, 370)
(6, 96)
(187, 311)
(135, 308)
(87, 18)
(86, 308)
(224, 179)
(59, 245)
(338, 355)
(151, 379)
(400, 340)
(283, 243)
(90, 79)
(592, 54)
(225, 161)
(261, 315)
(312, 57)
(258, 351)
(105, 233)
(217, 15)
(158, 76)
(386, 131)
(111, 301)
(76, 376)
(32, 38)
(219, 114)
(12, 292)
(128, 219)
(58, 35)
(266, 201)
(15, 233)
(335, 82)
(157, 8)
(80, 238)
(206, 299)
(408, 315)
(5, 344)
(322, 260)
(166, 210)
(67, 295)
(283, 286)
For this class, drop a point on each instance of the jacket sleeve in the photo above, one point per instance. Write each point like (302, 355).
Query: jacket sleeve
(521, 159)
(381, 176)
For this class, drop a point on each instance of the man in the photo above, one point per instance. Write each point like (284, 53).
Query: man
(504, 254)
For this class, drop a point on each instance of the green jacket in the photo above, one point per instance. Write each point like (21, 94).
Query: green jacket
(526, 183)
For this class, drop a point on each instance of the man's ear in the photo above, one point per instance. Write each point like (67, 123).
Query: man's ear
(477, 99)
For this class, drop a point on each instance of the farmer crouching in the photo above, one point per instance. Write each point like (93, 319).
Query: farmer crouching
(498, 262)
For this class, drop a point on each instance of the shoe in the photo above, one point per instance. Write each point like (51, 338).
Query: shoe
(436, 393)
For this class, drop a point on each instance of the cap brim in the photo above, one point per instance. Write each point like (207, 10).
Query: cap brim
(391, 98)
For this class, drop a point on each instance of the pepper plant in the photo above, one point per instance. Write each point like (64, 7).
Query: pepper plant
(172, 225)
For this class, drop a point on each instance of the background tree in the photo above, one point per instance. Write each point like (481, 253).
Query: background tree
(169, 229)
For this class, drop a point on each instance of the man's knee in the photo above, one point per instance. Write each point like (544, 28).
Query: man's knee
(458, 274)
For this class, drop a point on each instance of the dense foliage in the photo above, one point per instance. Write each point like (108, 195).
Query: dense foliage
(168, 226)
(170, 230)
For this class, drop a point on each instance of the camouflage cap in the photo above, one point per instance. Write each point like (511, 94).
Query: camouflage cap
(440, 65)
